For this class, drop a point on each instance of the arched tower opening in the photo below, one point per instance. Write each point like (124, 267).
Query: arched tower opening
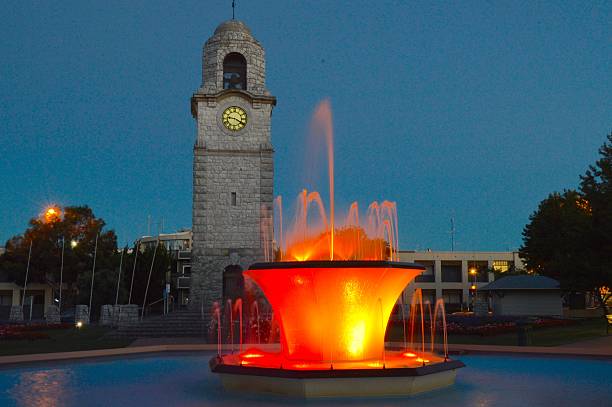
(234, 71)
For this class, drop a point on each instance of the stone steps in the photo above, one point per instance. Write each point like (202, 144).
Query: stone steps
(181, 323)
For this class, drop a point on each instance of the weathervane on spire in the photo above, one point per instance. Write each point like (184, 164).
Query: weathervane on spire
(233, 9)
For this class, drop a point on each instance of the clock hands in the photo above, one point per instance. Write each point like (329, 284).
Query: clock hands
(234, 118)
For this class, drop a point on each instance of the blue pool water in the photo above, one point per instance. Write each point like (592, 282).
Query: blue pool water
(184, 380)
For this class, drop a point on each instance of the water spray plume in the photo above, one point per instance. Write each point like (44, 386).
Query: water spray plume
(318, 235)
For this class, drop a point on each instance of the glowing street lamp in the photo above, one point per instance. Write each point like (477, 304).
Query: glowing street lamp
(73, 243)
(52, 214)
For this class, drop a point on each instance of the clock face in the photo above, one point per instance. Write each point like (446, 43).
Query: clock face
(234, 118)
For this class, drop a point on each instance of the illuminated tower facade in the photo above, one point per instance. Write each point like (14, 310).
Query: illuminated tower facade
(233, 164)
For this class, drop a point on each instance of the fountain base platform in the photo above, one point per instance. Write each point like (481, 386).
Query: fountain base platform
(378, 382)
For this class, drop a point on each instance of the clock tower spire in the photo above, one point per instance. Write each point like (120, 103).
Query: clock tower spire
(233, 164)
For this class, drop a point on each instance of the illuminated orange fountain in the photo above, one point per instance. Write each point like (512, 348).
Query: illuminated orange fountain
(332, 287)
(333, 312)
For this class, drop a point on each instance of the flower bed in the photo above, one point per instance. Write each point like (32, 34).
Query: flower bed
(28, 332)
(489, 326)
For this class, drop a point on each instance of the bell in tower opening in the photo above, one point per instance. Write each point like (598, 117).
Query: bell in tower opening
(233, 162)
(234, 71)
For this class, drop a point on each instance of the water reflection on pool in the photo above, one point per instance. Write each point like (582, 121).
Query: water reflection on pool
(184, 380)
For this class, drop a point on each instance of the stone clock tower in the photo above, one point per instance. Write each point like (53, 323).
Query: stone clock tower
(232, 163)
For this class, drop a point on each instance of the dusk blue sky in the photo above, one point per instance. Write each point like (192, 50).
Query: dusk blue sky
(476, 110)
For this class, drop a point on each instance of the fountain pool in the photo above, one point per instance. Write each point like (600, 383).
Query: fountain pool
(185, 381)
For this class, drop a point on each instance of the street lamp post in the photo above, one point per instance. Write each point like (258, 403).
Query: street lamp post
(52, 214)
(473, 272)
(73, 244)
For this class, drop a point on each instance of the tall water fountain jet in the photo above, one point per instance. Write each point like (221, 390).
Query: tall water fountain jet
(332, 289)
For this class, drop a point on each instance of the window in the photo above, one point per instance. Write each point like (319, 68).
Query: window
(453, 300)
(451, 273)
(501, 266)
(6, 298)
(429, 295)
(234, 71)
(452, 296)
(233, 199)
(428, 275)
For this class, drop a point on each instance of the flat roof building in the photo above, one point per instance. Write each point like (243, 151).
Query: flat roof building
(179, 246)
(455, 276)
(451, 275)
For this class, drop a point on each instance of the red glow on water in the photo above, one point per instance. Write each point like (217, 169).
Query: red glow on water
(392, 360)
(409, 355)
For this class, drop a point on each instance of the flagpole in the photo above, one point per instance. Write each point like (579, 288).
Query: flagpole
(134, 271)
(25, 283)
(61, 276)
(149, 279)
(93, 273)
(119, 277)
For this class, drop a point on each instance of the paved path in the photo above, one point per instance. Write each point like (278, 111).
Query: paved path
(603, 343)
(166, 341)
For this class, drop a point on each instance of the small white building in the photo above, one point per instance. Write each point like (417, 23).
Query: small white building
(524, 295)
(38, 297)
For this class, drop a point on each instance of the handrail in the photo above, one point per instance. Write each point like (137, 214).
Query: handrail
(171, 301)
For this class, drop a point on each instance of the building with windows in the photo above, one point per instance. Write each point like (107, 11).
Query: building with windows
(178, 245)
(455, 276)
(174, 242)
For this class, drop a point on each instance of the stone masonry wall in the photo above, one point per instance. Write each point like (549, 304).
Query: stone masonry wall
(223, 234)
(227, 162)
(221, 44)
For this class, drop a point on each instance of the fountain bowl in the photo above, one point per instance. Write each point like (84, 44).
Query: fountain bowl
(359, 382)
(333, 316)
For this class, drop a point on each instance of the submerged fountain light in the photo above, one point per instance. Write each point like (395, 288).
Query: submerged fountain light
(332, 289)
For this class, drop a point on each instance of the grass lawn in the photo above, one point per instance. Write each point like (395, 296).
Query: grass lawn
(63, 340)
(554, 336)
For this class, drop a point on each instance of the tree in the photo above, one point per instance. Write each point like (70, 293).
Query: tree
(555, 242)
(596, 186)
(46, 234)
(569, 237)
